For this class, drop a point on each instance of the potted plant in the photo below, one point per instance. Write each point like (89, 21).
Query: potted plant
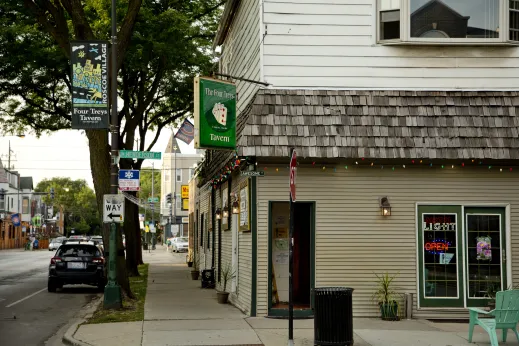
(189, 259)
(195, 272)
(228, 273)
(386, 297)
(492, 289)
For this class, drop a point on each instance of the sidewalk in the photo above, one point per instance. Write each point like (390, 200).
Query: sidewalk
(179, 312)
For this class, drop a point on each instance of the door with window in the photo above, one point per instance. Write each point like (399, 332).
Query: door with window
(461, 255)
(485, 253)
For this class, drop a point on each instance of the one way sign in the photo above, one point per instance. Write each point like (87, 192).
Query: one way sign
(113, 208)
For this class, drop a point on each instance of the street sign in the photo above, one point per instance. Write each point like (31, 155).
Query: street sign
(252, 173)
(113, 208)
(293, 169)
(129, 180)
(130, 154)
(185, 191)
(153, 199)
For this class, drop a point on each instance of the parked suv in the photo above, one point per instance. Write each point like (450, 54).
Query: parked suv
(75, 263)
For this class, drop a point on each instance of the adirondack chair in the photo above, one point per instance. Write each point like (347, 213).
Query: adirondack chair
(506, 316)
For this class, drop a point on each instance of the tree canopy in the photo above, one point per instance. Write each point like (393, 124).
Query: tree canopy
(77, 201)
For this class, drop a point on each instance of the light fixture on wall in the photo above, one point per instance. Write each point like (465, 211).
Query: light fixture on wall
(385, 206)
(235, 207)
(218, 214)
(225, 212)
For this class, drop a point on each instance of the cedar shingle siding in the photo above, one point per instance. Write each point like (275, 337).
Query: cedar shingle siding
(382, 124)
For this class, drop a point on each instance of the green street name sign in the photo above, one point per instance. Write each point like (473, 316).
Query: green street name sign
(153, 199)
(252, 173)
(130, 154)
(215, 114)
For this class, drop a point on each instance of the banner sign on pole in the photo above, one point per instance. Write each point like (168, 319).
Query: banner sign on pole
(15, 218)
(185, 191)
(186, 132)
(89, 60)
(215, 114)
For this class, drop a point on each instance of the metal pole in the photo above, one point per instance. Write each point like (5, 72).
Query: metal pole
(9, 157)
(153, 209)
(112, 296)
(290, 273)
(175, 189)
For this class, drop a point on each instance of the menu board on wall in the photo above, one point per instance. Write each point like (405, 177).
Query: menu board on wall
(244, 207)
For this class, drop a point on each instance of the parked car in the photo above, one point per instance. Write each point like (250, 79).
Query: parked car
(76, 263)
(98, 240)
(56, 243)
(180, 244)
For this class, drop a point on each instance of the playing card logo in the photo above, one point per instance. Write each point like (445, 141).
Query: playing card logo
(220, 113)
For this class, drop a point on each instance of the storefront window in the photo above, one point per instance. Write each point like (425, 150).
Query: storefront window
(439, 255)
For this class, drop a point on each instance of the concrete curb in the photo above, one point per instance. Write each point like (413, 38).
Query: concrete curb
(87, 312)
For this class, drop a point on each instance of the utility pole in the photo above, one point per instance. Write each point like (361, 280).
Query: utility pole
(175, 190)
(153, 209)
(112, 296)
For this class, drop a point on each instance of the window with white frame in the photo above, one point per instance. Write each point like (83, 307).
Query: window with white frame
(191, 173)
(166, 176)
(448, 21)
(179, 175)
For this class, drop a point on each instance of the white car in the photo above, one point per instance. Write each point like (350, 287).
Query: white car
(180, 244)
(56, 243)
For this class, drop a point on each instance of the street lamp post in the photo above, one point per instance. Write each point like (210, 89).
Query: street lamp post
(112, 296)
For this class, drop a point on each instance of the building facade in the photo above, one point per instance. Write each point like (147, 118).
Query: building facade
(401, 104)
(177, 170)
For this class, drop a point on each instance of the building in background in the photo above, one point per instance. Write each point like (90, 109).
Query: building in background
(177, 171)
(17, 197)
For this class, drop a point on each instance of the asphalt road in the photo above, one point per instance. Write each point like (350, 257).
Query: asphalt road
(29, 315)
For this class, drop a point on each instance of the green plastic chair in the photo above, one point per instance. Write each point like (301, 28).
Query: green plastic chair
(506, 316)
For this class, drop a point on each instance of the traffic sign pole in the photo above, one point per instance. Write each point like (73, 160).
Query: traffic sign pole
(292, 198)
(112, 296)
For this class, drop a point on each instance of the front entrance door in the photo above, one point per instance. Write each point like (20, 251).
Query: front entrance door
(485, 253)
(461, 253)
(303, 257)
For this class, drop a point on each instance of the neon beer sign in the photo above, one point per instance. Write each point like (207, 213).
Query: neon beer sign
(436, 246)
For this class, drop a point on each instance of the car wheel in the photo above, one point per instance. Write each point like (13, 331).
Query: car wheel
(51, 286)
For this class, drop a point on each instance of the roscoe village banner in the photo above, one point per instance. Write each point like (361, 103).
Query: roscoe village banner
(215, 114)
(89, 60)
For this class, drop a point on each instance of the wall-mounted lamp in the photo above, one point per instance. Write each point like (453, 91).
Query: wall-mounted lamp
(225, 212)
(235, 207)
(385, 206)
(218, 214)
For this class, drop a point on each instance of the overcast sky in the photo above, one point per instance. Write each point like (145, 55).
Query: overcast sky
(64, 154)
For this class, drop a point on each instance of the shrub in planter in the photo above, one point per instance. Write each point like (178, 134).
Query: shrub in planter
(228, 273)
(195, 272)
(386, 297)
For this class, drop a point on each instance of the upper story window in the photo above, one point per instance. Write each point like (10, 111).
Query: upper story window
(179, 175)
(448, 21)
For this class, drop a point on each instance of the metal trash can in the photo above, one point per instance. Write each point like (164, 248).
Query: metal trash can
(333, 316)
(208, 278)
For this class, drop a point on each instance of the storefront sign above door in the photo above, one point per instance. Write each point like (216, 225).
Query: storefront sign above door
(252, 173)
(215, 114)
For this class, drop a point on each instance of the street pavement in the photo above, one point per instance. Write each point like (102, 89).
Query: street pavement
(29, 315)
(178, 312)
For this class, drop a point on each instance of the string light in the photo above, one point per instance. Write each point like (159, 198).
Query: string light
(324, 168)
(412, 161)
(489, 167)
(346, 167)
(442, 166)
(356, 162)
(372, 164)
(393, 168)
(277, 169)
(500, 169)
(420, 161)
(430, 165)
(452, 166)
(403, 166)
(462, 164)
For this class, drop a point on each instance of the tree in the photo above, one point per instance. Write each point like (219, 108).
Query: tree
(161, 45)
(77, 200)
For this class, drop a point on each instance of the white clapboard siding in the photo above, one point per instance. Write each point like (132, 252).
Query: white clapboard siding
(353, 241)
(243, 43)
(331, 44)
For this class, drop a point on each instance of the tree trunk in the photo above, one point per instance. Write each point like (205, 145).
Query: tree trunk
(100, 165)
(132, 232)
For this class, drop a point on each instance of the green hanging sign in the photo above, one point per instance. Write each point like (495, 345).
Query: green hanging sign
(215, 114)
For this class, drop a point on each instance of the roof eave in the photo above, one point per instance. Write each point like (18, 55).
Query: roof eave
(225, 22)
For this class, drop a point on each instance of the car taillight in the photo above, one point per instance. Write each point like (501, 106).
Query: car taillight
(55, 260)
(98, 260)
